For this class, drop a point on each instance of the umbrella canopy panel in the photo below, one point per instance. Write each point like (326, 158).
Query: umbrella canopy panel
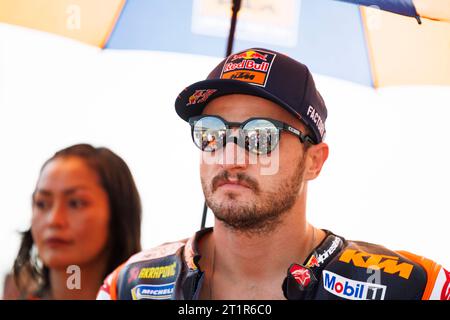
(335, 38)
(89, 21)
(326, 35)
(404, 52)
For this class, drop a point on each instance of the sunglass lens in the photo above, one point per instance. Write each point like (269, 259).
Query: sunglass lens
(261, 136)
(209, 133)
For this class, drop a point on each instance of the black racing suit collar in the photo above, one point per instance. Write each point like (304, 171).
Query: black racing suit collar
(294, 287)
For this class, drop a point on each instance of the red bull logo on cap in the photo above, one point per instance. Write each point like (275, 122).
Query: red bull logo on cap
(252, 66)
(250, 54)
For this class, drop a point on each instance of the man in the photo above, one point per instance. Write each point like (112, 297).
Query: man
(260, 123)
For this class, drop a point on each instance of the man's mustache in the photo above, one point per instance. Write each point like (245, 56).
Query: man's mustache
(241, 178)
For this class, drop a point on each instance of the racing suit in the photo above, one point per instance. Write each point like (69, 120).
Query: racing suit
(336, 269)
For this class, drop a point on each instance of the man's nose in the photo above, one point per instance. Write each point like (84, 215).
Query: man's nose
(233, 156)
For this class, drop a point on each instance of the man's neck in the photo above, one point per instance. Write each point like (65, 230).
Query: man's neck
(261, 255)
(261, 259)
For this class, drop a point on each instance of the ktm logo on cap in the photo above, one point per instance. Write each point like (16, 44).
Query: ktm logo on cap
(251, 66)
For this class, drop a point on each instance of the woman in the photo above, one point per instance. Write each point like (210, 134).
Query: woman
(86, 221)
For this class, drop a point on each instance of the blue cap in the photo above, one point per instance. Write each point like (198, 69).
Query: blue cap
(263, 73)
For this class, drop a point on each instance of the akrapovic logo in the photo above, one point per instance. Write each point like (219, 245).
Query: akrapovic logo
(158, 272)
(352, 289)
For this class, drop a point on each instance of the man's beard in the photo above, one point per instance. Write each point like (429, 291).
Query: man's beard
(262, 216)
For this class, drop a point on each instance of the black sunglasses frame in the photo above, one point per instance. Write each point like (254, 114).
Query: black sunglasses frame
(228, 125)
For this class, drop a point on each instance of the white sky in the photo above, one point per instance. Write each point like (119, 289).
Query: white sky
(386, 180)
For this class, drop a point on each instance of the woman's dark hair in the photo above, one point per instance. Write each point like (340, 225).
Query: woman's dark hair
(125, 218)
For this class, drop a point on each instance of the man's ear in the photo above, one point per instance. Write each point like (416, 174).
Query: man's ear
(315, 158)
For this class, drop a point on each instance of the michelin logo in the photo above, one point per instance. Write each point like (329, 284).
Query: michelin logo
(351, 289)
(153, 292)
